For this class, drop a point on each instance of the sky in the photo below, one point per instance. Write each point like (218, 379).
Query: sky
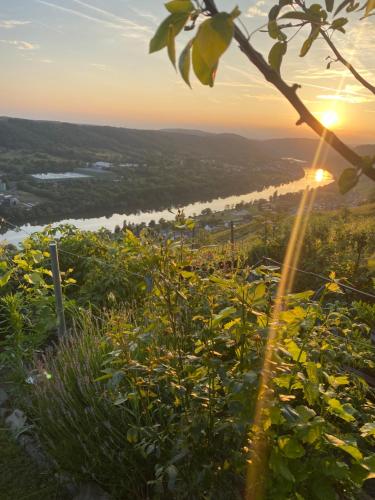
(87, 61)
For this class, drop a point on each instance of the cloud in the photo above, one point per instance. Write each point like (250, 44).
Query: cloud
(350, 99)
(146, 15)
(351, 94)
(257, 10)
(119, 19)
(21, 45)
(11, 23)
(236, 85)
(101, 67)
(105, 18)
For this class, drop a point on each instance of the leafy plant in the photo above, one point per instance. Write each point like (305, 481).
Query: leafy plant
(158, 399)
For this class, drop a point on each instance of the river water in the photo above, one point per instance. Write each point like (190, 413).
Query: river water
(311, 179)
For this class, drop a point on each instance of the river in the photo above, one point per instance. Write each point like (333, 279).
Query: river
(312, 179)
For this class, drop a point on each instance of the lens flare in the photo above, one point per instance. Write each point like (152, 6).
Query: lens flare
(319, 175)
(330, 118)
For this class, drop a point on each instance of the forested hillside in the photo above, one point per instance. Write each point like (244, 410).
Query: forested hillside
(62, 138)
(76, 141)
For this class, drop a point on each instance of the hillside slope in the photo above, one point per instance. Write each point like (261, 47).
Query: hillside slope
(57, 138)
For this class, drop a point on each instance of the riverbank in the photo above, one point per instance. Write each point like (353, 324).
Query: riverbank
(218, 204)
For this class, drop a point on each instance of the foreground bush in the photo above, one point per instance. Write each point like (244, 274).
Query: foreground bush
(158, 401)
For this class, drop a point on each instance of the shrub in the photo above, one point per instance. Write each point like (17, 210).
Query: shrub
(158, 402)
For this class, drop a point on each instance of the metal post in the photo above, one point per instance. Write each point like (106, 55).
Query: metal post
(232, 232)
(58, 291)
(232, 241)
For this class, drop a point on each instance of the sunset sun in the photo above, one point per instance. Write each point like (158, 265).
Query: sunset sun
(319, 175)
(330, 118)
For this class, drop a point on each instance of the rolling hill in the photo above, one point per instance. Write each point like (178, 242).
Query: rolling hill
(68, 140)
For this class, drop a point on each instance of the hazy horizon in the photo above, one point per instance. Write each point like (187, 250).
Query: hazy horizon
(257, 135)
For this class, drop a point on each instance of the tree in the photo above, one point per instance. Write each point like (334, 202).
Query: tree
(215, 34)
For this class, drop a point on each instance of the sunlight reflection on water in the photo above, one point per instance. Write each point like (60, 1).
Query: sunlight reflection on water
(92, 224)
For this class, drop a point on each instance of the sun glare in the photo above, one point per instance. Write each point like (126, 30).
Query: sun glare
(329, 118)
(319, 175)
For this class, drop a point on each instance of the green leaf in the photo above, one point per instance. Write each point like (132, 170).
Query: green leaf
(349, 447)
(275, 32)
(348, 179)
(276, 55)
(160, 39)
(329, 5)
(204, 73)
(274, 12)
(279, 465)
(212, 40)
(172, 476)
(132, 435)
(312, 372)
(342, 5)
(343, 411)
(171, 45)
(368, 429)
(180, 6)
(337, 381)
(305, 413)
(322, 489)
(259, 292)
(309, 41)
(333, 287)
(5, 278)
(339, 23)
(224, 313)
(311, 392)
(290, 447)
(296, 353)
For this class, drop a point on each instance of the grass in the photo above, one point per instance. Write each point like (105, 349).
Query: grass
(20, 479)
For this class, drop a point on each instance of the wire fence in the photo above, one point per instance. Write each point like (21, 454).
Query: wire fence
(261, 260)
(264, 259)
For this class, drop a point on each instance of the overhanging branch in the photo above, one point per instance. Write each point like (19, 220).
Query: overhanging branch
(290, 93)
(346, 63)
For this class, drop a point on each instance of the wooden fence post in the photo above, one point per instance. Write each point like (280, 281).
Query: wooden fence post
(58, 291)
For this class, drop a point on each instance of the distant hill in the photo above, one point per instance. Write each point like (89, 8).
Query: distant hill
(68, 140)
(366, 149)
(58, 137)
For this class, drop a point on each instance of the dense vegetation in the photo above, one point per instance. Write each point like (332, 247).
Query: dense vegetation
(159, 184)
(152, 393)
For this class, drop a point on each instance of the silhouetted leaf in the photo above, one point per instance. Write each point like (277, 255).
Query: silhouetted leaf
(348, 179)
(339, 23)
(171, 45)
(342, 6)
(160, 39)
(276, 55)
(184, 63)
(275, 32)
(309, 41)
(329, 5)
(180, 6)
